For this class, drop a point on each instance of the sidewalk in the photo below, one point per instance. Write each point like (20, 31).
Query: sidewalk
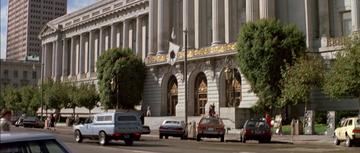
(232, 137)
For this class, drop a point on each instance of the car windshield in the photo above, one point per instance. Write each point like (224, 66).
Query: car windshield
(48, 146)
(172, 122)
(126, 118)
(250, 124)
(211, 121)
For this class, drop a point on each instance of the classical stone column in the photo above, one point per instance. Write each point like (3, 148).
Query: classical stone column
(217, 22)
(101, 40)
(126, 34)
(96, 48)
(197, 27)
(58, 59)
(309, 25)
(163, 26)
(54, 61)
(144, 38)
(65, 60)
(81, 54)
(252, 10)
(188, 22)
(72, 57)
(152, 27)
(113, 35)
(47, 58)
(86, 53)
(91, 57)
(355, 15)
(267, 9)
(324, 18)
(138, 35)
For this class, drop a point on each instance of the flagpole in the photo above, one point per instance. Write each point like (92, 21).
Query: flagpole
(185, 77)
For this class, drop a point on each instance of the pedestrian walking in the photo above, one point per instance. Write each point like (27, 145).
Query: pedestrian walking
(77, 119)
(52, 122)
(148, 111)
(5, 117)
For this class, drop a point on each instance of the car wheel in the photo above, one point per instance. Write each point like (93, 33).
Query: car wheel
(198, 138)
(129, 142)
(222, 139)
(161, 136)
(183, 137)
(244, 139)
(103, 140)
(78, 136)
(166, 137)
(336, 141)
(348, 141)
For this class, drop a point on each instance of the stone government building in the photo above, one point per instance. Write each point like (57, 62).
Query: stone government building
(72, 43)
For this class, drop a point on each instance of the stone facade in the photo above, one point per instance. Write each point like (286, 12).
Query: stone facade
(72, 44)
(19, 73)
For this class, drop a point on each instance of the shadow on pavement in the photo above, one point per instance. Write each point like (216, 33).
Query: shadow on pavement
(271, 142)
(121, 143)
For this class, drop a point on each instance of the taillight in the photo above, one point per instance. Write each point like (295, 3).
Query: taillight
(117, 134)
(356, 131)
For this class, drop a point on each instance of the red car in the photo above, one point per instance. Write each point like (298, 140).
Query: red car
(256, 129)
(210, 127)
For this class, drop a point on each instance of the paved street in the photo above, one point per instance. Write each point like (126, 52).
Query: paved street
(151, 144)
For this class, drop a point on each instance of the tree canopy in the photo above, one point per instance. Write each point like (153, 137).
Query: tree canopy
(299, 79)
(122, 68)
(264, 48)
(343, 79)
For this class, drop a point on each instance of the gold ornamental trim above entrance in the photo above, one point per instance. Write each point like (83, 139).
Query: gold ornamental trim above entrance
(195, 53)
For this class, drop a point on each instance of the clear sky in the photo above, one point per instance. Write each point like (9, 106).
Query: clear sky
(73, 5)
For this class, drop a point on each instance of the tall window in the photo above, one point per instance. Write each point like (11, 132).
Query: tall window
(34, 75)
(346, 23)
(15, 74)
(25, 74)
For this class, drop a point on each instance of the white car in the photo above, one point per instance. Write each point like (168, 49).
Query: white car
(349, 131)
(173, 128)
(30, 142)
(110, 126)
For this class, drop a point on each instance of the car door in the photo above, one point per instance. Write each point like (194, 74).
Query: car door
(342, 130)
(87, 128)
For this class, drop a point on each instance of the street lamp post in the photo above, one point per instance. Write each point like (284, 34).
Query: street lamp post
(185, 75)
(42, 90)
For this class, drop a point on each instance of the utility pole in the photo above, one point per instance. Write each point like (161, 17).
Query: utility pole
(185, 76)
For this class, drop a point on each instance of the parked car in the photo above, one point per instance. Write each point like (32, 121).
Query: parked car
(110, 126)
(349, 131)
(30, 121)
(30, 142)
(210, 127)
(173, 128)
(256, 129)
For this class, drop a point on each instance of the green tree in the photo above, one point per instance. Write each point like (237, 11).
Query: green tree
(12, 99)
(122, 68)
(343, 79)
(87, 96)
(35, 102)
(264, 48)
(299, 79)
(27, 94)
(56, 96)
(73, 93)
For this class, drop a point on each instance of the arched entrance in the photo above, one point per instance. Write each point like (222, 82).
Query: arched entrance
(200, 94)
(233, 88)
(172, 96)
